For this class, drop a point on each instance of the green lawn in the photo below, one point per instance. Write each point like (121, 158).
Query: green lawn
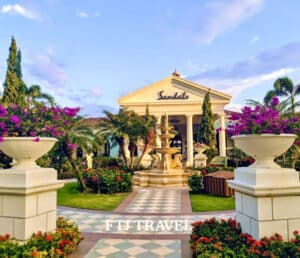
(69, 196)
(206, 202)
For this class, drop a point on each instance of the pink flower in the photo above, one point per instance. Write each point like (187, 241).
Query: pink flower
(3, 111)
(1, 139)
(15, 119)
(32, 133)
(71, 112)
(72, 146)
(37, 139)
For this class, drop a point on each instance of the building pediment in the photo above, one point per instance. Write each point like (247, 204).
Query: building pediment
(172, 90)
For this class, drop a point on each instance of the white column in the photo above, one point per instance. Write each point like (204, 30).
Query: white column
(222, 137)
(189, 138)
(158, 131)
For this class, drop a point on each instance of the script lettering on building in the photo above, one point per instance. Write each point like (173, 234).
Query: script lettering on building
(176, 95)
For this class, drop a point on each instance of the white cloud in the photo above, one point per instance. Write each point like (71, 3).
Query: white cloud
(224, 16)
(83, 14)
(46, 69)
(20, 10)
(254, 39)
(235, 86)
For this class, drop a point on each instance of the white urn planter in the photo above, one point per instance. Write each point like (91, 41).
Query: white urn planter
(264, 148)
(267, 196)
(27, 191)
(26, 150)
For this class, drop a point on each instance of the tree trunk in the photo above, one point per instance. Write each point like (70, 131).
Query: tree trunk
(132, 148)
(149, 139)
(122, 150)
(143, 154)
(82, 186)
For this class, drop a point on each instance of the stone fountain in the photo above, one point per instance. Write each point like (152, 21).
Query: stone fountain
(165, 171)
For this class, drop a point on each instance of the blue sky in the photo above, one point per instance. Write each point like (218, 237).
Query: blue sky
(89, 53)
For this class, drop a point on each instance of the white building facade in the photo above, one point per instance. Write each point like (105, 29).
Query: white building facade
(182, 100)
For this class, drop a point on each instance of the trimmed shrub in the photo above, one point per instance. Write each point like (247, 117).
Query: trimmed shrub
(107, 180)
(195, 182)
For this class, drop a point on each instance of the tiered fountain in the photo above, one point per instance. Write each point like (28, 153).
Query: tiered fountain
(166, 171)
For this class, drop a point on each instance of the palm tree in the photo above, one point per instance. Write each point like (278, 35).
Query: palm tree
(35, 95)
(115, 128)
(147, 133)
(82, 136)
(284, 87)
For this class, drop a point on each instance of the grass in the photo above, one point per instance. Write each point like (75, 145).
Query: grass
(206, 202)
(69, 196)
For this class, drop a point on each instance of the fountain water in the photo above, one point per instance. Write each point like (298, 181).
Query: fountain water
(166, 171)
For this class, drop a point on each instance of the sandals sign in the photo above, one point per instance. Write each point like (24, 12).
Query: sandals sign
(176, 95)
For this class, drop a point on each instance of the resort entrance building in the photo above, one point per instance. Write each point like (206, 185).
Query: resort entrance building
(182, 101)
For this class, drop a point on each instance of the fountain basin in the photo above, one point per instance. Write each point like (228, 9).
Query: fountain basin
(159, 178)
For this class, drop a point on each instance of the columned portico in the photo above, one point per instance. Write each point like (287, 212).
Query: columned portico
(189, 140)
(182, 101)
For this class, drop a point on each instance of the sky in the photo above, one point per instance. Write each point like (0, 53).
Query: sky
(89, 53)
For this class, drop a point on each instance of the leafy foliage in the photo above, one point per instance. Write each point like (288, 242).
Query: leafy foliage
(284, 87)
(213, 238)
(263, 119)
(195, 183)
(107, 180)
(128, 127)
(60, 243)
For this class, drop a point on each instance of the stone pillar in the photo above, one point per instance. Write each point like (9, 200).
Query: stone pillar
(189, 138)
(267, 201)
(28, 201)
(158, 131)
(222, 137)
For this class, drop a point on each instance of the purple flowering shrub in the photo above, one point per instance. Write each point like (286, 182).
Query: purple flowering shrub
(263, 119)
(35, 121)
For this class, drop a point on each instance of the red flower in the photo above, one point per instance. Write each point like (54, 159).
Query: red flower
(296, 232)
(48, 237)
(118, 178)
(198, 223)
(194, 237)
(58, 251)
(266, 253)
(34, 253)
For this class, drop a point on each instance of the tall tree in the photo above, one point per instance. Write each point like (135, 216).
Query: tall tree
(18, 67)
(207, 133)
(12, 82)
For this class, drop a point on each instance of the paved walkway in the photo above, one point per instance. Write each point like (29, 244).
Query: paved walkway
(150, 223)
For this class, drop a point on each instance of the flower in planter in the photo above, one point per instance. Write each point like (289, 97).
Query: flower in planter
(34, 121)
(262, 119)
